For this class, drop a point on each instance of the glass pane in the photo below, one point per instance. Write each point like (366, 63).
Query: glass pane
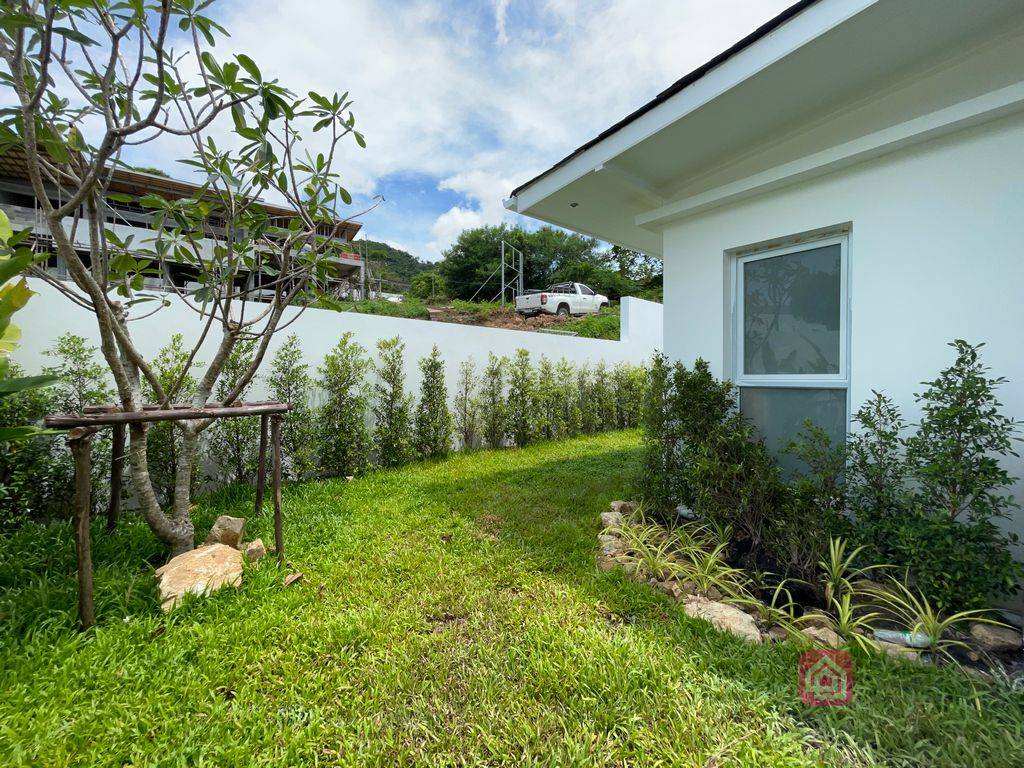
(779, 413)
(791, 314)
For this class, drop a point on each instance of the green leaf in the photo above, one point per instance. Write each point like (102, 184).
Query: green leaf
(6, 232)
(74, 35)
(22, 383)
(250, 66)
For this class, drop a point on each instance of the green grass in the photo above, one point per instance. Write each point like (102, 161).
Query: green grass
(451, 614)
(408, 308)
(603, 325)
(482, 310)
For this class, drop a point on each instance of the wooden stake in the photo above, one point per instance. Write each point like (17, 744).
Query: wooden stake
(116, 473)
(80, 451)
(275, 439)
(261, 467)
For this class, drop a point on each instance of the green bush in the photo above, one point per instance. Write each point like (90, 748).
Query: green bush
(603, 401)
(603, 325)
(410, 308)
(629, 382)
(35, 474)
(928, 502)
(682, 407)
(812, 512)
(429, 286)
(493, 409)
(522, 400)
(82, 380)
(734, 483)
(466, 412)
(433, 419)
(232, 444)
(392, 407)
(343, 438)
(290, 382)
(162, 437)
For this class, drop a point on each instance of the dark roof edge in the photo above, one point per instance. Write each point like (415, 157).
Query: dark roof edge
(687, 80)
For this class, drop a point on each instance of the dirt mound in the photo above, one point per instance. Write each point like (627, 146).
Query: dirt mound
(497, 318)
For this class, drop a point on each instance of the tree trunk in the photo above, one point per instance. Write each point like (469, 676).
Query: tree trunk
(177, 533)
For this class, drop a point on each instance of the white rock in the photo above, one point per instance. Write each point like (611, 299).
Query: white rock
(822, 636)
(723, 617)
(898, 651)
(995, 639)
(227, 530)
(623, 507)
(611, 519)
(199, 572)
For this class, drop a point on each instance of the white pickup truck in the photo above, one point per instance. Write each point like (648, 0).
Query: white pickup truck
(561, 299)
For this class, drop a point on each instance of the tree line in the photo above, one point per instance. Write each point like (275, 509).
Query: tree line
(550, 255)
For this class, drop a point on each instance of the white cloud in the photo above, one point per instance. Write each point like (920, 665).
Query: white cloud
(479, 97)
(500, 20)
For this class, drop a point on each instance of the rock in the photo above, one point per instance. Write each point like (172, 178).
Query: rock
(254, 551)
(995, 639)
(610, 545)
(776, 634)
(822, 636)
(897, 651)
(713, 593)
(685, 512)
(227, 530)
(624, 508)
(611, 519)
(199, 572)
(676, 589)
(723, 617)
(291, 578)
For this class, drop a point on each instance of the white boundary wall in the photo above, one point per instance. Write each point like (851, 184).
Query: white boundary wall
(48, 315)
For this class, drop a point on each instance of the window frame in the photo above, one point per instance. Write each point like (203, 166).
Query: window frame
(840, 380)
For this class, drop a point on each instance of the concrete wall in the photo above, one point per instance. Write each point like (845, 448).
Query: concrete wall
(935, 253)
(48, 315)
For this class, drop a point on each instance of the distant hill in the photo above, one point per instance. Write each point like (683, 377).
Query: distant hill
(392, 263)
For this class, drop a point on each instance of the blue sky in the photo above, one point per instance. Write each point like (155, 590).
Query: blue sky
(462, 101)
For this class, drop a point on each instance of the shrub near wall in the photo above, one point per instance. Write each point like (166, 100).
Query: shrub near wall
(343, 438)
(506, 403)
(926, 501)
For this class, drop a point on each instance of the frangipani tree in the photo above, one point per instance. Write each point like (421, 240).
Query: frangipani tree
(91, 79)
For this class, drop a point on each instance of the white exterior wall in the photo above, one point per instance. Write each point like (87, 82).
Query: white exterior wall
(936, 252)
(48, 315)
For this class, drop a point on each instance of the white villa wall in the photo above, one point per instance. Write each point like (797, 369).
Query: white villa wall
(935, 253)
(48, 315)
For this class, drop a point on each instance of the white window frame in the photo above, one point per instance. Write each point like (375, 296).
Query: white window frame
(840, 380)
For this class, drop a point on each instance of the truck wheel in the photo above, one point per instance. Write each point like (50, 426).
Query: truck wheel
(604, 305)
(563, 310)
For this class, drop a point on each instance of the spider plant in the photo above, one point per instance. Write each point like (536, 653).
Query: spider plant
(846, 620)
(708, 568)
(838, 571)
(920, 616)
(779, 609)
(651, 549)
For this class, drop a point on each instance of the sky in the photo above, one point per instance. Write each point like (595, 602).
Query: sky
(461, 102)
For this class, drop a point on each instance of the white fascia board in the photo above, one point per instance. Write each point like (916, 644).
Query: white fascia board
(989, 106)
(810, 24)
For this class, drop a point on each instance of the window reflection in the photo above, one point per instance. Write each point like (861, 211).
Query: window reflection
(791, 313)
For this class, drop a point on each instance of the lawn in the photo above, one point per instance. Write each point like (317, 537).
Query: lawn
(451, 614)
